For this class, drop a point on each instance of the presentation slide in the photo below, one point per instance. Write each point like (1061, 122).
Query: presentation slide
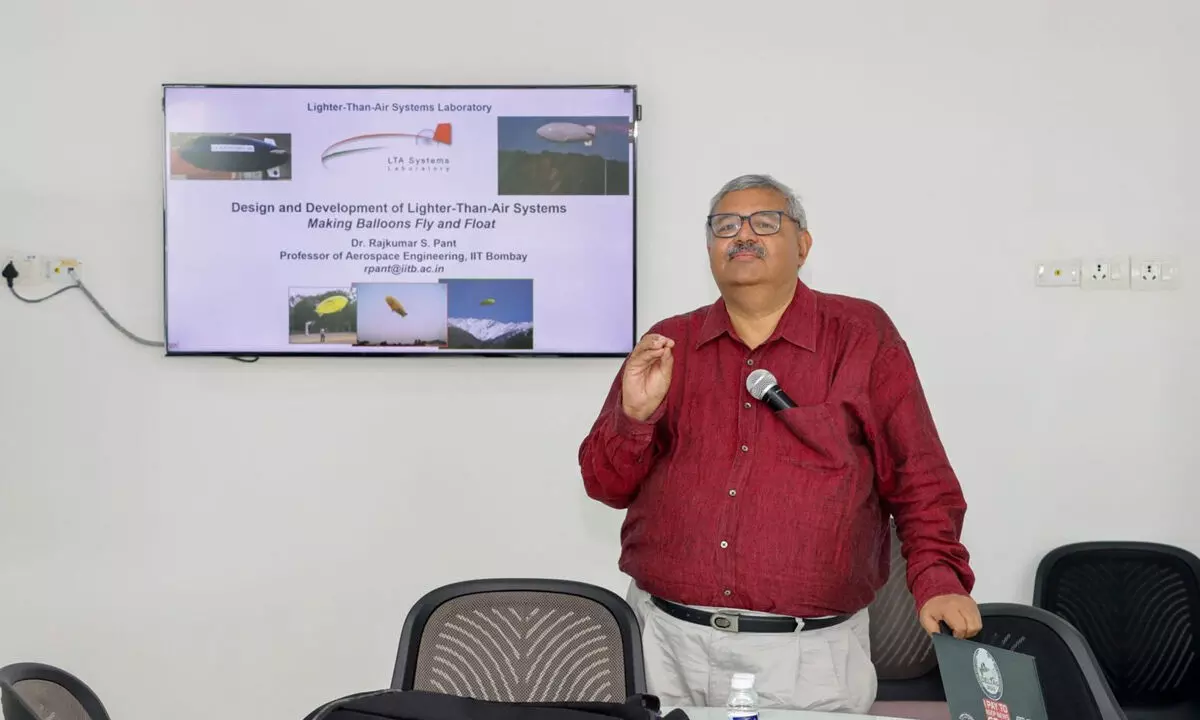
(351, 220)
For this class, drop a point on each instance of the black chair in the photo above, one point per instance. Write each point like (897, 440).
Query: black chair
(900, 648)
(42, 691)
(1073, 685)
(522, 640)
(909, 683)
(1138, 605)
(13, 706)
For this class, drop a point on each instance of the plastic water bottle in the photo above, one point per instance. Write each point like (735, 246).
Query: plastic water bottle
(743, 700)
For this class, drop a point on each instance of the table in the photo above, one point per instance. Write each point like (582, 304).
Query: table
(718, 713)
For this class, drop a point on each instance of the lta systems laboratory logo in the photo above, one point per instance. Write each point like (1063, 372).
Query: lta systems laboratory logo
(426, 152)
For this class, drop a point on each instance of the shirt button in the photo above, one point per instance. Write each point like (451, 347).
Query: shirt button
(747, 406)
(724, 544)
(728, 593)
(732, 493)
(749, 362)
(745, 448)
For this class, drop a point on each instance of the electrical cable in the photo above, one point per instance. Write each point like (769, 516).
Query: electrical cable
(10, 274)
(33, 301)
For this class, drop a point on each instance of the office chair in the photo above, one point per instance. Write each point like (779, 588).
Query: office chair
(12, 705)
(909, 683)
(33, 691)
(522, 640)
(1073, 685)
(1138, 605)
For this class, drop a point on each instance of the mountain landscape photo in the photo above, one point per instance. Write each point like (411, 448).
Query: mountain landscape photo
(487, 334)
(490, 313)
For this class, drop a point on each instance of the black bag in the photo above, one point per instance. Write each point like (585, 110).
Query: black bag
(422, 705)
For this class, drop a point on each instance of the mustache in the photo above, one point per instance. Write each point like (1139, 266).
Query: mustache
(755, 248)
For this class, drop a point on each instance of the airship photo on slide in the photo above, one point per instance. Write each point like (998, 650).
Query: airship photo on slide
(233, 153)
(565, 132)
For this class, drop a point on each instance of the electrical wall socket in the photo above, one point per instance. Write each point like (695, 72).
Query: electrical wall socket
(26, 266)
(1154, 272)
(1058, 273)
(37, 269)
(63, 270)
(1105, 273)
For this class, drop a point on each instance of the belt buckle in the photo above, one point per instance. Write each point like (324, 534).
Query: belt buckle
(725, 622)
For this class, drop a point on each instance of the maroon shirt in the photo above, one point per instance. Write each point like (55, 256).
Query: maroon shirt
(733, 505)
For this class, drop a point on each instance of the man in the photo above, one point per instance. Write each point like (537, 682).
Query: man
(780, 519)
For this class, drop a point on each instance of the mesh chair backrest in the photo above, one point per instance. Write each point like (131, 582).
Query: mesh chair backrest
(12, 706)
(1064, 685)
(51, 693)
(522, 646)
(900, 647)
(50, 700)
(1139, 607)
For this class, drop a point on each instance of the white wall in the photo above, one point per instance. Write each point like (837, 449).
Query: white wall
(172, 525)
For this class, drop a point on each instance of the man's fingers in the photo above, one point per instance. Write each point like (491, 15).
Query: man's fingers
(653, 341)
(974, 623)
(957, 622)
(668, 358)
(640, 355)
(645, 360)
(663, 356)
(930, 623)
(649, 349)
(960, 615)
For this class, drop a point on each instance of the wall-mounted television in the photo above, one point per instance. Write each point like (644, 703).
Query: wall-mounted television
(400, 220)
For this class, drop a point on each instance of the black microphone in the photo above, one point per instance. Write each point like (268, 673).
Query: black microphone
(763, 386)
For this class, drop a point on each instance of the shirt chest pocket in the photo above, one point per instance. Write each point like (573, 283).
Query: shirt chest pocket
(820, 437)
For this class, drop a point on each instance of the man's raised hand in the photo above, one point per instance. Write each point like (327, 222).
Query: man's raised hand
(647, 376)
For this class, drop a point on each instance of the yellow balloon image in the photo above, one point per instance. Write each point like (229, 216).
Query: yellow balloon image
(332, 304)
(395, 305)
(488, 301)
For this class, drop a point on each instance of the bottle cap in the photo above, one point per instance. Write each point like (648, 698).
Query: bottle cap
(742, 681)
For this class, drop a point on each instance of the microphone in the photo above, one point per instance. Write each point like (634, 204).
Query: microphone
(763, 386)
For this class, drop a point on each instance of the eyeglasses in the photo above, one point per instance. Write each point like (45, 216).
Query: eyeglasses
(763, 222)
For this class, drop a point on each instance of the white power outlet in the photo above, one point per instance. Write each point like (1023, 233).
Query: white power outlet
(37, 269)
(63, 270)
(1058, 273)
(27, 268)
(1105, 273)
(1154, 272)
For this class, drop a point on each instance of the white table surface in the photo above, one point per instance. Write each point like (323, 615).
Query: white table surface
(718, 713)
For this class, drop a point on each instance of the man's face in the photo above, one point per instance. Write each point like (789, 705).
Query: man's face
(748, 258)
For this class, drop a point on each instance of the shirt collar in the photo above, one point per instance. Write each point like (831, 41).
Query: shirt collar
(797, 325)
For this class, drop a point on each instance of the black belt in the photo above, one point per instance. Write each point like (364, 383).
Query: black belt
(735, 622)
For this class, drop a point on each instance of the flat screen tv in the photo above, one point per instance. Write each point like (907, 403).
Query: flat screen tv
(400, 221)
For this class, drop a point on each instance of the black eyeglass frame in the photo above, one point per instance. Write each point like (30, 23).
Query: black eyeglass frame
(781, 214)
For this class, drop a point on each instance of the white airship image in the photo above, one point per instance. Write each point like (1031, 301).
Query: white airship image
(564, 132)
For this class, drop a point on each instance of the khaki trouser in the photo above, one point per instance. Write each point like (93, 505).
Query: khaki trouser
(691, 665)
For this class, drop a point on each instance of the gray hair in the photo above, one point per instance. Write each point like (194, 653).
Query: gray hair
(748, 182)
